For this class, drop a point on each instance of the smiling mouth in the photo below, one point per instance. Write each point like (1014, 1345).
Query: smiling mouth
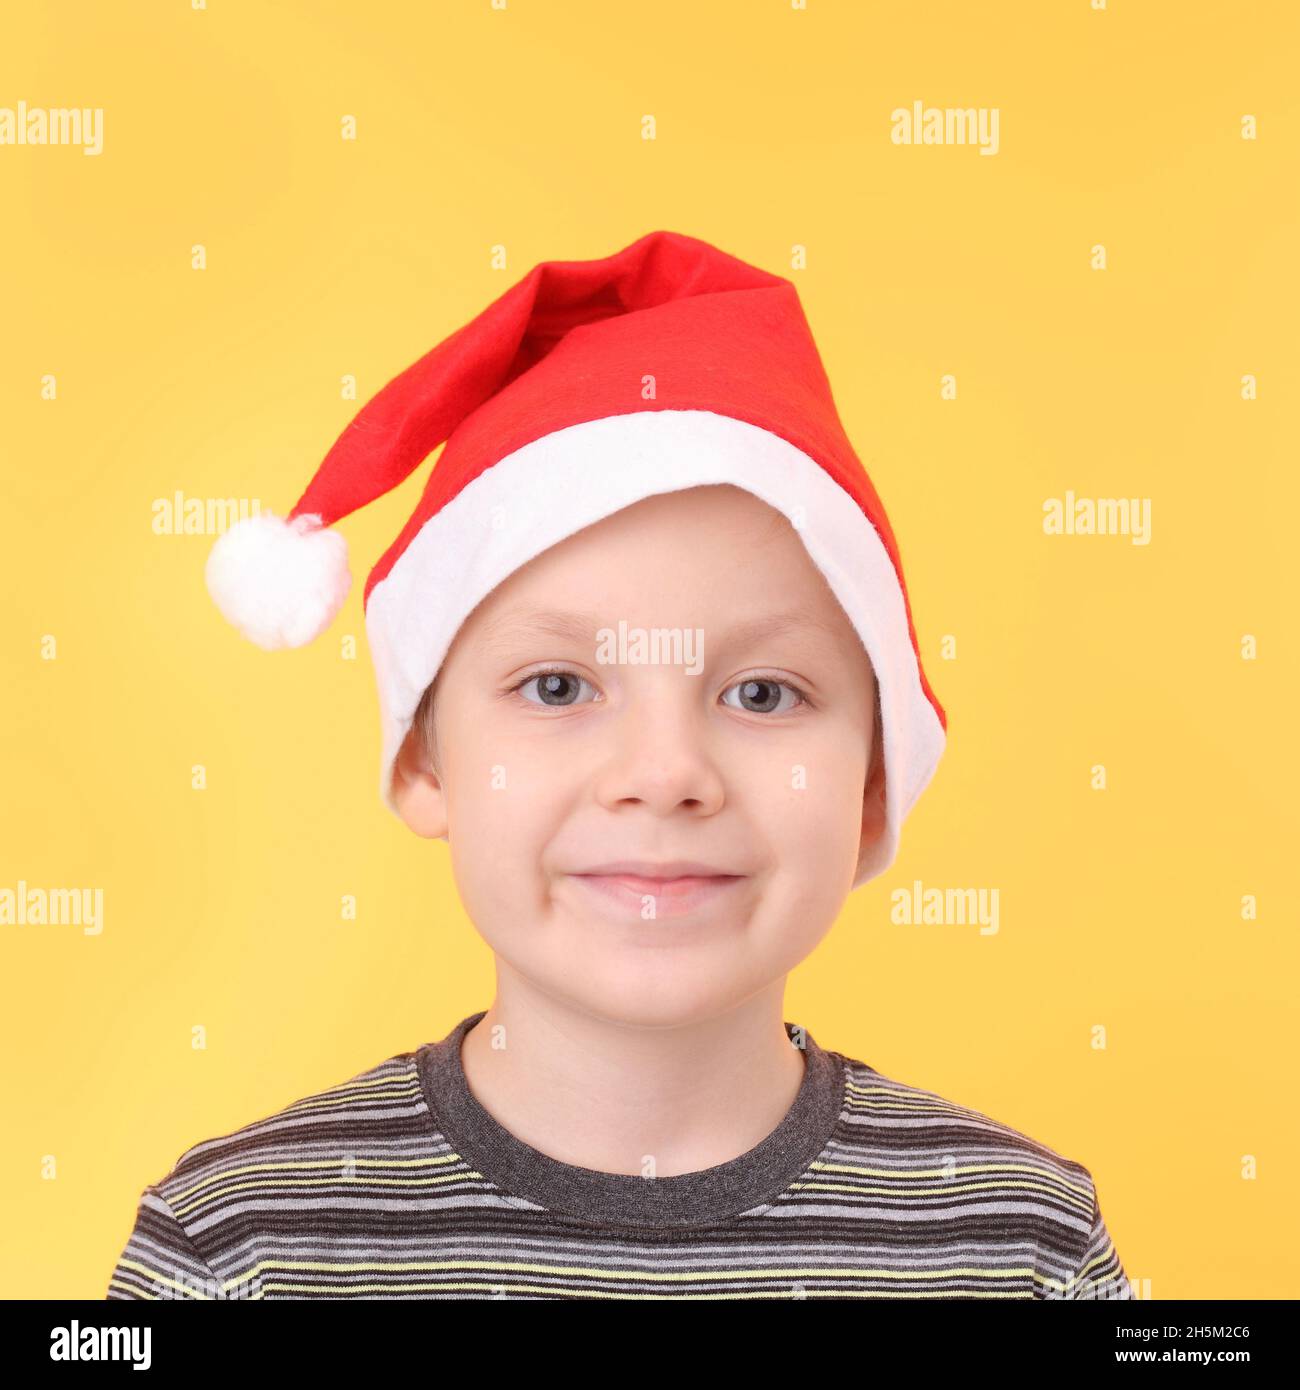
(663, 887)
(626, 894)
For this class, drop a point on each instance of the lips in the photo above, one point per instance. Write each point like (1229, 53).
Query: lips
(677, 887)
(667, 870)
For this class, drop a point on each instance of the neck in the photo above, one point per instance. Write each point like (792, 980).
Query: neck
(643, 1098)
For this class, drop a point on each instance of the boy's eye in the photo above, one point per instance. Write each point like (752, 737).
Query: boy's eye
(554, 687)
(762, 695)
(757, 694)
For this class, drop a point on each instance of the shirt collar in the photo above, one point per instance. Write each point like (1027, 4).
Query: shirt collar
(708, 1196)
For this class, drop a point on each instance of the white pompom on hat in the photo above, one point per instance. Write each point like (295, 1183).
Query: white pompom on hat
(281, 583)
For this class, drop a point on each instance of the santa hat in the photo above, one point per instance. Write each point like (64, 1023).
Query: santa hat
(585, 387)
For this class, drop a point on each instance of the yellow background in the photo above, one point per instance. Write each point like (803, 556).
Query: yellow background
(522, 127)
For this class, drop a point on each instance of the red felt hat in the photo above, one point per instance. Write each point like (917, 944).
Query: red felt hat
(585, 387)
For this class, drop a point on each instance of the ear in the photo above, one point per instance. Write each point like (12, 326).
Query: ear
(417, 789)
(873, 808)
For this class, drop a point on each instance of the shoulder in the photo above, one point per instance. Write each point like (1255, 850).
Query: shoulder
(202, 1230)
(382, 1102)
(328, 1145)
(959, 1175)
(884, 1109)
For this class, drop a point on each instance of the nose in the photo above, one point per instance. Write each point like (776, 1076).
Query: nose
(660, 755)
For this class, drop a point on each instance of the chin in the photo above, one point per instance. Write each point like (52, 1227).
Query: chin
(661, 1002)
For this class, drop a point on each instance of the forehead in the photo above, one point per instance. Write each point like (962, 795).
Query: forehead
(678, 550)
(713, 559)
(514, 622)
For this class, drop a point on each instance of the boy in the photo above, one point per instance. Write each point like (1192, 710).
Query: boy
(646, 663)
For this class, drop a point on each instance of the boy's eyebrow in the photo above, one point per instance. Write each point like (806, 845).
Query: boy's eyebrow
(583, 627)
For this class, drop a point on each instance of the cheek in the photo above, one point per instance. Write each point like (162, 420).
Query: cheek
(502, 812)
(814, 830)
(491, 780)
(816, 799)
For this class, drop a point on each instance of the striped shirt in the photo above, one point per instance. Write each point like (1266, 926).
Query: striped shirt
(399, 1184)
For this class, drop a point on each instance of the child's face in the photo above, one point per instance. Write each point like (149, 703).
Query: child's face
(613, 762)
